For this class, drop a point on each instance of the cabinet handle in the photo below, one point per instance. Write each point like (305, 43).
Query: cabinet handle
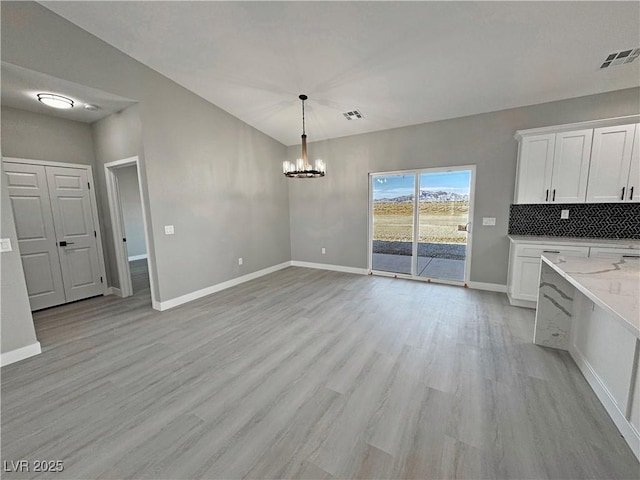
(630, 256)
(554, 195)
(550, 251)
(622, 196)
(546, 199)
(631, 193)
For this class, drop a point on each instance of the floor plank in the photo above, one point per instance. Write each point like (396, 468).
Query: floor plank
(305, 374)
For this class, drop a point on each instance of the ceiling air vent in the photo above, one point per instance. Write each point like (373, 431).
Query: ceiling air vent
(353, 115)
(618, 58)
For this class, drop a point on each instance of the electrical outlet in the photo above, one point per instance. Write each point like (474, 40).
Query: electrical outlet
(564, 214)
(324, 250)
(489, 221)
(168, 230)
(5, 245)
(240, 261)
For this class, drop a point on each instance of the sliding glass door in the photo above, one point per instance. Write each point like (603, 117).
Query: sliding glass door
(393, 210)
(421, 223)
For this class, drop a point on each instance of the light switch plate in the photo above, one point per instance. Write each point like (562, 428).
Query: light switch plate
(324, 250)
(168, 230)
(564, 214)
(5, 245)
(240, 261)
(489, 221)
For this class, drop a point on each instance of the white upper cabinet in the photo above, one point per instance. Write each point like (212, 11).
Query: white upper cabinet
(571, 167)
(633, 184)
(534, 169)
(611, 159)
(596, 161)
(554, 167)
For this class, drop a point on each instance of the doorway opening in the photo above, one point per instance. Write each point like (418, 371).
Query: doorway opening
(420, 223)
(129, 225)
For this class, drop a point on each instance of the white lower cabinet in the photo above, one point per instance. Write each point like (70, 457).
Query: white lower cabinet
(524, 264)
(608, 252)
(526, 271)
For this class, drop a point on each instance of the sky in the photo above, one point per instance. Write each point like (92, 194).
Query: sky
(391, 186)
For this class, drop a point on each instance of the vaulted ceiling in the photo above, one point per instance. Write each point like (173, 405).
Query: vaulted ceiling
(399, 63)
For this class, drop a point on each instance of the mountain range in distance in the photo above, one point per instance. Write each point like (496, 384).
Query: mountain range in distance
(429, 196)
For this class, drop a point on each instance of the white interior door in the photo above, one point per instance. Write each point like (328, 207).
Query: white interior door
(75, 232)
(29, 195)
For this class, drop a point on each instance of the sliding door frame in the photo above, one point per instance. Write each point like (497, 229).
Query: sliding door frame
(416, 223)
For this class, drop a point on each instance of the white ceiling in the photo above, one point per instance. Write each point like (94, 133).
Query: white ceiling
(20, 87)
(400, 63)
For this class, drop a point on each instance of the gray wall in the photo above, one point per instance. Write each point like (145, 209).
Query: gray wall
(332, 212)
(41, 137)
(213, 177)
(131, 210)
(117, 137)
(17, 323)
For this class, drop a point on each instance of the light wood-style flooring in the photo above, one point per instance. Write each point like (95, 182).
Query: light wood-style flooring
(306, 374)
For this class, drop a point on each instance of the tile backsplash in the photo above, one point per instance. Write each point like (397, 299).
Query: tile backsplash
(593, 220)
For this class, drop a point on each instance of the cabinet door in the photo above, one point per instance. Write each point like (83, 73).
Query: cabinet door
(571, 166)
(534, 169)
(526, 278)
(610, 161)
(633, 184)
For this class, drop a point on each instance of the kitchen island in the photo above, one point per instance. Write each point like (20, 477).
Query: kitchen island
(591, 307)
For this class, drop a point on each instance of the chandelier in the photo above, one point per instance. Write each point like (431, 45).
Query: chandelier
(302, 168)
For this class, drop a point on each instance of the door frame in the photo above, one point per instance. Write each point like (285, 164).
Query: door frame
(416, 227)
(117, 224)
(92, 196)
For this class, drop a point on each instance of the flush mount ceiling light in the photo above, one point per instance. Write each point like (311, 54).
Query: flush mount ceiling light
(301, 168)
(55, 101)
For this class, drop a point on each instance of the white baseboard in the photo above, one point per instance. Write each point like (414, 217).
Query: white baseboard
(629, 433)
(326, 266)
(137, 257)
(174, 302)
(489, 287)
(20, 354)
(114, 291)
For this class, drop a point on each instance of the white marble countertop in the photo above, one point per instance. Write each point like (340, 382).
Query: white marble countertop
(612, 284)
(595, 242)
